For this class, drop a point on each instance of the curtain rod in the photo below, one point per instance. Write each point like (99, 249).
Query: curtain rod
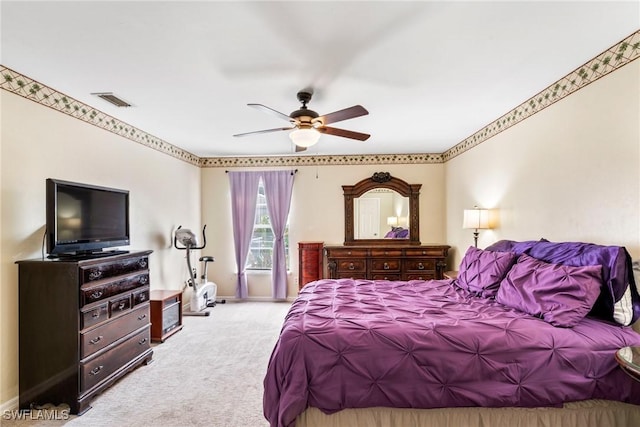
(293, 172)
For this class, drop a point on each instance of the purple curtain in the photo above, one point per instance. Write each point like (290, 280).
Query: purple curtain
(278, 186)
(244, 191)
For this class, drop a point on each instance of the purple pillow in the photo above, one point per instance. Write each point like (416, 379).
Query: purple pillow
(481, 271)
(561, 295)
(403, 233)
(619, 300)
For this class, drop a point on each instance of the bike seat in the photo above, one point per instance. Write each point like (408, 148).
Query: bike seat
(207, 259)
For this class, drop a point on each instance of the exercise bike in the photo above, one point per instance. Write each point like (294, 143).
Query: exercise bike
(203, 294)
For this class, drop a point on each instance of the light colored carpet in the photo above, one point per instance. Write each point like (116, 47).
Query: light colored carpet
(208, 374)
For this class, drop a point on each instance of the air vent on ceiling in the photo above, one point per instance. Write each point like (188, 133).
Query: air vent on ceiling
(113, 99)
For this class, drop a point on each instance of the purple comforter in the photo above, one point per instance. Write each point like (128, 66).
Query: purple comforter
(430, 344)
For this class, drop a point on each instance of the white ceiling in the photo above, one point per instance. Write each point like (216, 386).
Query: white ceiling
(430, 73)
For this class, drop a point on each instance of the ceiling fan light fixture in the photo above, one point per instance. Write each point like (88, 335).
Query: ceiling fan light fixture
(305, 137)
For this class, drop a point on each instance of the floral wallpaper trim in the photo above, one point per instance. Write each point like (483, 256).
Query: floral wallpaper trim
(21, 85)
(610, 60)
(364, 159)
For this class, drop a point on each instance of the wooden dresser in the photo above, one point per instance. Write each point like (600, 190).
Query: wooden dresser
(390, 262)
(83, 324)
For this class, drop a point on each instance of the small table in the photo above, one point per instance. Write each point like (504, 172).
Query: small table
(166, 314)
(629, 360)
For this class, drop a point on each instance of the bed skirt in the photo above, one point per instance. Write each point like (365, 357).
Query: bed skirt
(588, 413)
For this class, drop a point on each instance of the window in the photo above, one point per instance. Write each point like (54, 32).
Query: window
(261, 249)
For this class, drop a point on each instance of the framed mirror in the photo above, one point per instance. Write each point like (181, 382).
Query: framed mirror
(381, 210)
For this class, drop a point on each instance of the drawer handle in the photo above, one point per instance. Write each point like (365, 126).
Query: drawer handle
(385, 266)
(121, 305)
(144, 280)
(144, 316)
(420, 266)
(142, 341)
(351, 266)
(141, 297)
(96, 340)
(95, 314)
(142, 263)
(96, 370)
(93, 275)
(96, 294)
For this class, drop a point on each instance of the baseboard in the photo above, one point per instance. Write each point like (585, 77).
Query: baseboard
(254, 299)
(233, 300)
(9, 405)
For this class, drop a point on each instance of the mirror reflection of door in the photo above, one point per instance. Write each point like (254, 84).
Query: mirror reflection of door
(368, 214)
(377, 212)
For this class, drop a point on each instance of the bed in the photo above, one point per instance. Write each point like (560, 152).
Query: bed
(528, 331)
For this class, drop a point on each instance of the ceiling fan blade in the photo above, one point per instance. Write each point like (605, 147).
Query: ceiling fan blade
(271, 111)
(344, 133)
(347, 113)
(263, 131)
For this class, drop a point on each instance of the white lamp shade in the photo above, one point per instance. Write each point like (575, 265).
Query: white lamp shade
(392, 221)
(476, 218)
(304, 137)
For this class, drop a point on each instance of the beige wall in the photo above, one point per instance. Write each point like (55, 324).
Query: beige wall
(38, 143)
(317, 214)
(570, 172)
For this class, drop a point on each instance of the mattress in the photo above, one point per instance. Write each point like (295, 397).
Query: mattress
(429, 344)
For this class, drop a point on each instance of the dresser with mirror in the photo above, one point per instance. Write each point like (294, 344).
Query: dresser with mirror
(382, 234)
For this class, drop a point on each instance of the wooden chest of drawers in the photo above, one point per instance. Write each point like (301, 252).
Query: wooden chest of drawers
(83, 324)
(310, 262)
(387, 262)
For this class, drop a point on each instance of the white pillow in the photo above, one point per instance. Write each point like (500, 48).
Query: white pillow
(623, 309)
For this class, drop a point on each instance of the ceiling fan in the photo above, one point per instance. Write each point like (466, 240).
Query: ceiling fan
(307, 125)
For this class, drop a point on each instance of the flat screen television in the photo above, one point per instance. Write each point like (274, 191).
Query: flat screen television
(84, 219)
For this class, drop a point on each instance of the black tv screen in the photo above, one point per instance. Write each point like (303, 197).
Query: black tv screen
(85, 219)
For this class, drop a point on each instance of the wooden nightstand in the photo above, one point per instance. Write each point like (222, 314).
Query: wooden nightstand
(453, 274)
(629, 360)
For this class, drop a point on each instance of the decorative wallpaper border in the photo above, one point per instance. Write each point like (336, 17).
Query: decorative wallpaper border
(364, 159)
(610, 60)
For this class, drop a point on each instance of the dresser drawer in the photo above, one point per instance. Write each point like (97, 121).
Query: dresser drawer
(141, 296)
(386, 252)
(426, 275)
(347, 275)
(98, 338)
(119, 305)
(385, 265)
(353, 265)
(384, 276)
(105, 289)
(346, 252)
(94, 315)
(420, 264)
(94, 294)
(100, 368)
(427, 251)
(111, 269)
